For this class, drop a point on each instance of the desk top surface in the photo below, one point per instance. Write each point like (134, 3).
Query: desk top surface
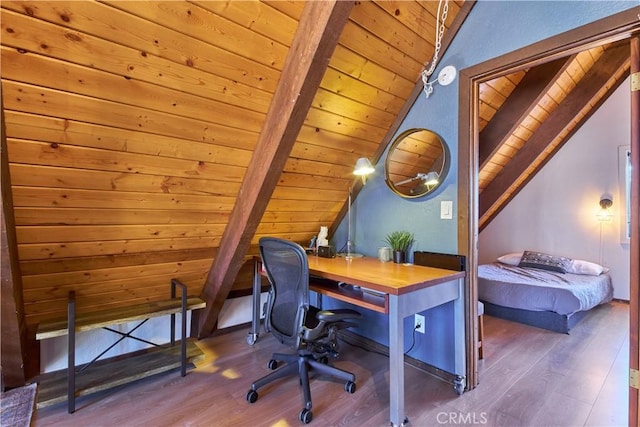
(387, 277)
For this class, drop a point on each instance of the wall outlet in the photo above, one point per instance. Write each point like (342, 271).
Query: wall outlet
(418, 323)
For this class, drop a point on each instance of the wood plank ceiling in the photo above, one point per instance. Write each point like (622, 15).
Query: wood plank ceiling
(527, 116)
(130, 126)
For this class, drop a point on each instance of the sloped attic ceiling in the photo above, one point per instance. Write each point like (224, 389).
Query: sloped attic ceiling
(525, 117)
(130, 127)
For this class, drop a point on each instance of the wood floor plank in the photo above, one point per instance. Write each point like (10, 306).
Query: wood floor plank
(529, 377)
(610, 408)
(554, 412)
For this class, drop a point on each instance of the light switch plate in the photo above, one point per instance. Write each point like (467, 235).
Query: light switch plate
(446, 209)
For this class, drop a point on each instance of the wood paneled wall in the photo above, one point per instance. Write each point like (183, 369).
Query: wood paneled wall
(130, 126)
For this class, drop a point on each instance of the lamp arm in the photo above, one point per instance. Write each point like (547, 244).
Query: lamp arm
(419, 175)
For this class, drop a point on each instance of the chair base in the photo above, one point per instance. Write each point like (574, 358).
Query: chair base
(301, 364)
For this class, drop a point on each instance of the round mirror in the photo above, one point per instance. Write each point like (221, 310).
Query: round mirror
(417, 163)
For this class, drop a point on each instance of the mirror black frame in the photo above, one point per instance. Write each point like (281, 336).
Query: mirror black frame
(441, 164)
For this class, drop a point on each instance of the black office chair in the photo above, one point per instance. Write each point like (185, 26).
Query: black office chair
(296, 323)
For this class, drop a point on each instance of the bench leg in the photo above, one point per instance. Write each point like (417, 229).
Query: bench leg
(183, 324)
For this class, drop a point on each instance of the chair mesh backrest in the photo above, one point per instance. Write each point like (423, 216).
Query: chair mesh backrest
(287, 268)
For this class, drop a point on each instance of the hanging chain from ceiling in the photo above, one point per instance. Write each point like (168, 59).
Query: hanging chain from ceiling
(440, 27)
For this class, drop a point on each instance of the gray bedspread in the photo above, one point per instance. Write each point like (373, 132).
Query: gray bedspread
(540, 290)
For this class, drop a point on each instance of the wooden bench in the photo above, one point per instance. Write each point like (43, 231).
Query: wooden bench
(121, 370)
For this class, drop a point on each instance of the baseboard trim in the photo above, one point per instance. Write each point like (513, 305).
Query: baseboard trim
(370, 345)
(624, 301)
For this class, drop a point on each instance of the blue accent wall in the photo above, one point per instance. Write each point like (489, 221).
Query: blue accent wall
(492, 29)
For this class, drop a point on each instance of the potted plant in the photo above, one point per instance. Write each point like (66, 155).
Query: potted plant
(399, 241)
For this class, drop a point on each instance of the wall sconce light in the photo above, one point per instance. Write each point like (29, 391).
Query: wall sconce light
(605, 209)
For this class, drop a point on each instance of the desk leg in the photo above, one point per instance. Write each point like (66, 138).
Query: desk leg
(396, 363)
(459, 383)
(252, 336)
(71, 355)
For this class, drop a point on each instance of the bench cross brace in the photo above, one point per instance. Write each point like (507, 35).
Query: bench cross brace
(71, 325)
(122, 338)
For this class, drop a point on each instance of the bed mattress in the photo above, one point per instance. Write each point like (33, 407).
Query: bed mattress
(540, 290)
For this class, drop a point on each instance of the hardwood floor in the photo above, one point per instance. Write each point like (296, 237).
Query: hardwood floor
(529, 377)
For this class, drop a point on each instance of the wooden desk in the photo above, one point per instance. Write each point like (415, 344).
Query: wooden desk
(404, 290)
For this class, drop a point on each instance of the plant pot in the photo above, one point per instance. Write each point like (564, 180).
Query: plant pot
(398, 257)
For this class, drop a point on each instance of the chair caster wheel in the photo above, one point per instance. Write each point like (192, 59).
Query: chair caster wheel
(273, 364)
(305, 416)
(459, 384)
(350, 387)
(252, 396)
(251, 338)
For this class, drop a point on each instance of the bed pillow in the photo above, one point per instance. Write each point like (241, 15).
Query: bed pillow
(510, 259)
(543, 261)
(578, 266)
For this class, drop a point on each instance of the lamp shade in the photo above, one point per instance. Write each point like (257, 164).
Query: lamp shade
(605, 203)
(363, 167)
(605, 213)
(432, 178)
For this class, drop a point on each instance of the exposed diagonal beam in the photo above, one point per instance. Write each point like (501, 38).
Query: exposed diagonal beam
(595, 79)
(518, 106)
(12, 323)
(316, 37)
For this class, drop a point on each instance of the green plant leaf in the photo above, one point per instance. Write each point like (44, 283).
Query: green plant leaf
(399, 240)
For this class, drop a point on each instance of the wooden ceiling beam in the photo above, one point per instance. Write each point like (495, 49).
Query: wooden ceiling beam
(595, 79)
(522, 100)
(316, 37)
(14, 338)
